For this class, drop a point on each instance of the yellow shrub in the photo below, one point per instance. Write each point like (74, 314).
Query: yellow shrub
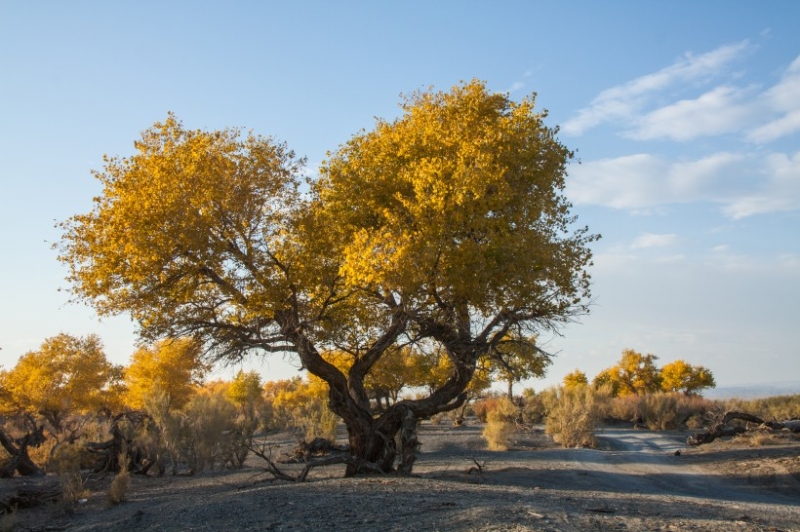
(501, 424)
(573, 418)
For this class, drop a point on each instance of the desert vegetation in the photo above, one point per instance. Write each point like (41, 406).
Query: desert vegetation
(410, 281)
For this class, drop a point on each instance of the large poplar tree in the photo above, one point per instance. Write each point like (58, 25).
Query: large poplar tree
(446, 228)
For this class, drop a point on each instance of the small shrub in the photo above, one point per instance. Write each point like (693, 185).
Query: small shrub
(66, 463)
(660, 411)
(625, 408)
(777, 408)
(501, 424)
(209, 421)
(669, 411)
(534, 409)
(695, 422)
(758, 438)
(483, 406)
(118, 490)
(572, 420)
(438, 419)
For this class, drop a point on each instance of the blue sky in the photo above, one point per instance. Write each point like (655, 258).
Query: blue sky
(685, 117)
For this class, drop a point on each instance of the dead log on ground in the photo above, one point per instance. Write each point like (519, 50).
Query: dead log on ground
(721, 429)
(31, 496)
(264, 452)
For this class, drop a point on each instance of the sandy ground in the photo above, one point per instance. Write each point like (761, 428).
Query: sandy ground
(635, 481)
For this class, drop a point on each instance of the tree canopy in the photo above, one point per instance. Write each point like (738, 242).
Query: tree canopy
(680, 376)
(445, 229)
(634, 374)
(66, 374)
(170, 367)
(637, 374)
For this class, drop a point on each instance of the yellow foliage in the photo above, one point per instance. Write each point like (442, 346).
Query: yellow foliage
(178, 223)
(245, 388)
(302, 406)
(575, 379)
(457, 201)
(634, 374)
(171, 367)
(66, 374)
(501, 424)
(680, 376)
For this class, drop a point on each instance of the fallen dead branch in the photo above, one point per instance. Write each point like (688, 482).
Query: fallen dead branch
(311, 460)
(478, 467)
(721, 427)
(30, 496)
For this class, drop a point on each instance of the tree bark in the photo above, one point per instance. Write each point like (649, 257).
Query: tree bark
(20, 462)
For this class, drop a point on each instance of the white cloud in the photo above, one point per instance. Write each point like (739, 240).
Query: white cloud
(623, 182)
(651, 240)
(782, 99)
(779, 192)
(744, 184)
(722, 259)
(786, 125)
(517, 85)
(626, 100)
(718, 111)
(761, 116)
(643, 180)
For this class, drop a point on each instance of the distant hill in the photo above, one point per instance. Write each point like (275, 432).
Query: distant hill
(754, 391)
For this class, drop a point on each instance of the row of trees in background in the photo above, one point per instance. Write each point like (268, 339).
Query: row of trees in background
(169, 416)
(69, 374)
(637, 374)
(160, 408)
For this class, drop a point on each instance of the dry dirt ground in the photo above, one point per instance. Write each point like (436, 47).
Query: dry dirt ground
(635, 481)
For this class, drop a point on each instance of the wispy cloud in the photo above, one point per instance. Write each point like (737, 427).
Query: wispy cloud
(779, 192)
(782, 99)
(651, 240)
(646, 108)
(643, 180)
(744, 184)
(718, 111)
(627, 100)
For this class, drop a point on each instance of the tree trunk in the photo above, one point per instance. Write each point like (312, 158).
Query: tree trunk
(18, 449)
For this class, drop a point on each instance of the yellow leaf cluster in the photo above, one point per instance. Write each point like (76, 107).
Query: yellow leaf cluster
(458, 198)
(172, 367)
(66, 374)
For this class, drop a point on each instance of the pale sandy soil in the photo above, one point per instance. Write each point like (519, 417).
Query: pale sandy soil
(634, 482)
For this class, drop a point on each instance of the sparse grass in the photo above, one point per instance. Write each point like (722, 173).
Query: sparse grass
(778, 408)
(660, 411)
(759, 438)
(66, 464)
